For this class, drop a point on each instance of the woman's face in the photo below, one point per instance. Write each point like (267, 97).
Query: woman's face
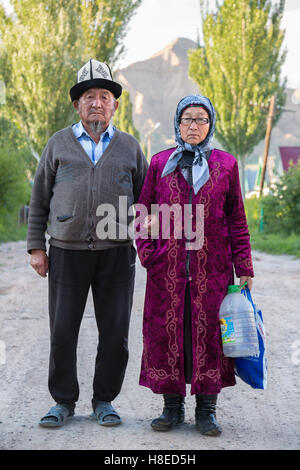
(194, 133)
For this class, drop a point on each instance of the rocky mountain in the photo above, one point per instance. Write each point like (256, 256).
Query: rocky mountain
(157, 84)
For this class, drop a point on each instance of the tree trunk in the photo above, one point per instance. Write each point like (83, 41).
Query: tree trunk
(34, 153)
(242, 165)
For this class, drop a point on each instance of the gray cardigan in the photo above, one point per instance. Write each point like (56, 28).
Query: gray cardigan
(68, 189)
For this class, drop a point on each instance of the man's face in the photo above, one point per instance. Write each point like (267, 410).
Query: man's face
(96, 105)
(194, 133)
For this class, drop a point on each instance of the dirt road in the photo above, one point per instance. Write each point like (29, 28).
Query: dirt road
(251, 419)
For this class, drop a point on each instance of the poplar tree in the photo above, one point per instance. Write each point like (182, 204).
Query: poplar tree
(42, 45)
(238, 67)
(123, 119)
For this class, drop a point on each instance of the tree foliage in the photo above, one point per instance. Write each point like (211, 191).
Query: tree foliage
(238, 67)
(14, 187)
(12, 138)
(104, 26)
(123, 119)
(43, 45)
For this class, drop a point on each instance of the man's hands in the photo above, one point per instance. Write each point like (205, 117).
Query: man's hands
(39, 261)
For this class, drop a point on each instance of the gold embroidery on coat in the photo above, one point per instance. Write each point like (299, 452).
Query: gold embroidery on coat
(201, 283)
(171, 316)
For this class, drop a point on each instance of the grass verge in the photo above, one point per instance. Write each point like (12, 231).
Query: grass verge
(277, 244)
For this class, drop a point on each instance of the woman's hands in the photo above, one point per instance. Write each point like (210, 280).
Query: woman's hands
(247, 279)
(152, 225)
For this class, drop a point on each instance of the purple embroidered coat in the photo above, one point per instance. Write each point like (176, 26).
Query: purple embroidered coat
(225, 245)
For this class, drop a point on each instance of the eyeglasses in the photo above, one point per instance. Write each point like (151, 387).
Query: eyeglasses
(199, 121)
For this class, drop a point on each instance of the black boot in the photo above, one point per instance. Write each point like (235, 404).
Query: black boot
(205, 415)
(172, 415)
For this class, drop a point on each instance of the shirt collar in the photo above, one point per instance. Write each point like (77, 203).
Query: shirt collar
(80, 130)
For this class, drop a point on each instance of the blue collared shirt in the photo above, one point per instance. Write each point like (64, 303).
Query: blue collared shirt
(94, 151)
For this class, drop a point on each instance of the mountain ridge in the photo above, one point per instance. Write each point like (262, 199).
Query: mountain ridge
(157, 84)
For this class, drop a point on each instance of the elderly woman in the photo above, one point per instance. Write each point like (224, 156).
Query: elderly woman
(190, 265)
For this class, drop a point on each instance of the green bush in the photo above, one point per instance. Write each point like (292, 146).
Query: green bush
(281, 207)
(253, 213)
(14, 191)
(274, 220)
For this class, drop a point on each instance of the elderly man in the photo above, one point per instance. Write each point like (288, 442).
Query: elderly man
(83, 169)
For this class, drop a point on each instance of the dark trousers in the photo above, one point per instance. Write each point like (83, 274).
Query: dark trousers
(110, 273)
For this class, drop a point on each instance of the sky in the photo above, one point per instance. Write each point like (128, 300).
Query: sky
(159, 22)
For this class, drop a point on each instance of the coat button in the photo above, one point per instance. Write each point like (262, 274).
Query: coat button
(190, 278)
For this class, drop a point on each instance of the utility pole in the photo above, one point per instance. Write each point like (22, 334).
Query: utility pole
(267, 143)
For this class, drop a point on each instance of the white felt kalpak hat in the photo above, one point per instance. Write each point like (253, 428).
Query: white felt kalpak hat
(94, 74)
